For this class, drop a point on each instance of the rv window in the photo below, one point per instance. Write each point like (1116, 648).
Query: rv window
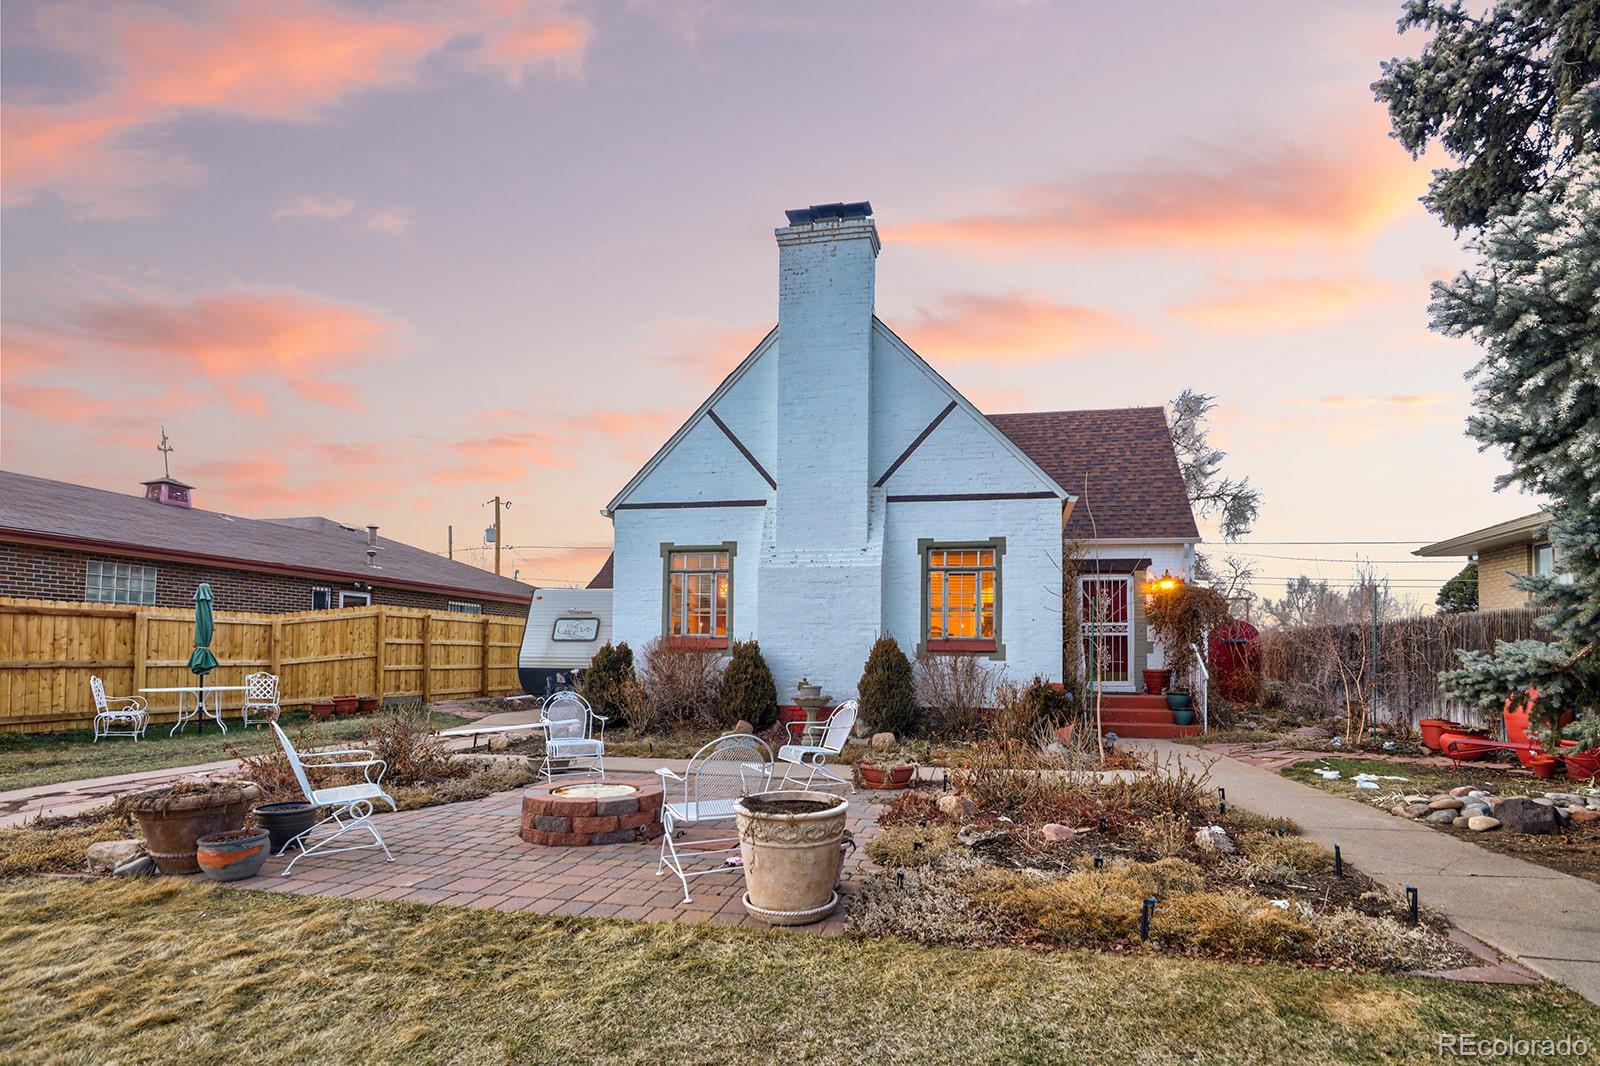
(576, 629)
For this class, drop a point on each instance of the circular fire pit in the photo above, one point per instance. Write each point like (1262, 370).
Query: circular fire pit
(590, 812)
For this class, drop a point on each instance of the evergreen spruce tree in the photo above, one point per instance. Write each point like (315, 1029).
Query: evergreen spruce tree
(1459, 595)
(748, 691)
(887, 690)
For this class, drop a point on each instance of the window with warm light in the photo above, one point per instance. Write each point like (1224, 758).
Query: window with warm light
(698, 584)
(962, 588)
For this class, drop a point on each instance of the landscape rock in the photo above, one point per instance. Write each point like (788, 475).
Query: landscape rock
(1446, 803)
(499, 742)
(1057, 833)
(107, 854)
(1522, 815)
(1462, 790)
(1473, 810)
(1586, 815)
(1442, 817)
(143, 866)
(957, 806)
(742, 726)
(882, 741)
(1416, 799)
(1543, 801)
(1460, 821)
(1482, 823)
(1213, 838)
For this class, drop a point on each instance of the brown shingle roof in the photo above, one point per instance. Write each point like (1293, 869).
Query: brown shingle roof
(76, 514)
(1134, 487)
(602, 580)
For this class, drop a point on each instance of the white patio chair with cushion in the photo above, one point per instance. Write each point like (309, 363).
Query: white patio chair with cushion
(260, 696)
(350, 806)
(568, 722)
(729, 767)
(815, 743)
(131, 712)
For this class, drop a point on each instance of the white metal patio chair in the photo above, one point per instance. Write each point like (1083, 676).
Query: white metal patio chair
(569, 725)
(814, 744)
(260, 696)
(350, 806)
(726, 769)
(132, 712)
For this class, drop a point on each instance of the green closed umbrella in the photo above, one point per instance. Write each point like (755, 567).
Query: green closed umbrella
(201, 661)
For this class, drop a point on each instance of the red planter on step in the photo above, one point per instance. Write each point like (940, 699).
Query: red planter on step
(1156, 681)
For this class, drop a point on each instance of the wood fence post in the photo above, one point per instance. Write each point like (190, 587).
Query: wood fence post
(483, 662)
(275, 651)
(427, 657)
(141, 650)
(380, 657)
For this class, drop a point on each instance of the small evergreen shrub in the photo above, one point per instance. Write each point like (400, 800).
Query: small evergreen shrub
(748, 691)
(887, 691)
(605, 682)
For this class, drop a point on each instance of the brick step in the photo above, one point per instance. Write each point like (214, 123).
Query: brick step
(1111, 701)
(1136, 715)
(1151, 731)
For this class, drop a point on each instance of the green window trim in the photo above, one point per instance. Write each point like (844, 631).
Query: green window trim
(927, 545)
(668, 550)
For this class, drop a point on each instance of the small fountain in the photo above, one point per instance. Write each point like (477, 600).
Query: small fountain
(809, 698)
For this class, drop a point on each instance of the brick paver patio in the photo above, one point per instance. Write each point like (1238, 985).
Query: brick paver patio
(470, 855)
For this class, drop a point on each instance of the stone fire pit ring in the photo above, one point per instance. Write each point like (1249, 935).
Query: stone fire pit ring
(585, 813)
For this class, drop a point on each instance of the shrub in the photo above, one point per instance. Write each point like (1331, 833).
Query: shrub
(748, 691)
(934, 905)
(1022, 711)
(680, 685)
(1180, 618)
(907, 846)
(954, 691)
(1078, 909)
(1164, 835)
(404, 739)
(887, 690)
(1231, 922)
(605, 682)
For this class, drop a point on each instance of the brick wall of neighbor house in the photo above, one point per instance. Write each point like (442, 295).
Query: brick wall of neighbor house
(58, 574)
(1495, 569)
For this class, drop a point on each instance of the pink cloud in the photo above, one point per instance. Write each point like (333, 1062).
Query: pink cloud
(1346, 185)
(394, 221)
(1279, 303)
(313, 207)
(705, 351)
(1014, 327)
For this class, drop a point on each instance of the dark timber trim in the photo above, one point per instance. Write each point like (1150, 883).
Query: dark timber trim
(737, 443)
(961, 497)
(914, 445)
(689, 503)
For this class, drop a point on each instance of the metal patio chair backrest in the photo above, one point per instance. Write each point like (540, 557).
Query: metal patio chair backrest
(98, 687)
(729, 767)
(840, 723)
(569, 715)
(294, 761)
(261, 687)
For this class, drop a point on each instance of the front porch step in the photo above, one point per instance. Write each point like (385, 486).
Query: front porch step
(1110, 700)
(1150, 730)
(1141, 715)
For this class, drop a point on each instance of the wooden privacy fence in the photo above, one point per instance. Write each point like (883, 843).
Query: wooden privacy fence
(49, 649)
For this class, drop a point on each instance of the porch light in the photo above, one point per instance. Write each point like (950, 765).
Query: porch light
(1165, 583)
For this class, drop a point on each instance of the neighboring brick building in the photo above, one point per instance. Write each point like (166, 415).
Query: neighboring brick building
(62, 541)
(1503, 552)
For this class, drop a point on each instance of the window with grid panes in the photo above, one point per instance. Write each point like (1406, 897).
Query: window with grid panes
(697, 594)
(961, 593)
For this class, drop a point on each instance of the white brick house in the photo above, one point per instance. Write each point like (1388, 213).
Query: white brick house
(834, 487)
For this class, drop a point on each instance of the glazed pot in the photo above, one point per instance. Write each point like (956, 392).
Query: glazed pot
(1156, 681)
(322, 709)
(285, 821)
(887, 778)
(345, 705)
(173, 824)
(233, 856)
(1183, 717)
(1178, 701)
(791, 857)
(367, 705)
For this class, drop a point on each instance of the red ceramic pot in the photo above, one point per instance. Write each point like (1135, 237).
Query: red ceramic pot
(1432, 727)
(1582, 765)
(886, 778)
(1156, 681)
(1544, 765)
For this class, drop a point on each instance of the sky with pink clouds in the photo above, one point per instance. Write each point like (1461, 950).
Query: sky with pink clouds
(383, 261)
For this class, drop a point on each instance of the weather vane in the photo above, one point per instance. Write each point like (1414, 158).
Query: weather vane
(166, 453)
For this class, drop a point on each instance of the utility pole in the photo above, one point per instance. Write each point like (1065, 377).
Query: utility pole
(450, 541)
(499, 505)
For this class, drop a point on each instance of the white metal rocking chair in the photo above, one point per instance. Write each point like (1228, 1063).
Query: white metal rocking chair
(570, 736)
(350, 806)
(260, 696)
(719, 774)
(132, 712)
(816, 742)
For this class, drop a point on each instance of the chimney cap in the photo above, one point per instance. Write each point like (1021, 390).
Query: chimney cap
(818, 212)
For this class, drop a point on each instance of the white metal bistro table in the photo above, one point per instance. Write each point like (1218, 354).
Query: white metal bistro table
(196, 710)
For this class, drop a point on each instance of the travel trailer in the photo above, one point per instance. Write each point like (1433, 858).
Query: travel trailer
(565, 628)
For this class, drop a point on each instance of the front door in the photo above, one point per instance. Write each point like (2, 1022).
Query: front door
(1107, 631)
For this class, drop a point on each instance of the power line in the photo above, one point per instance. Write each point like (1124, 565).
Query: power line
(1321, 559)
(1316, 543)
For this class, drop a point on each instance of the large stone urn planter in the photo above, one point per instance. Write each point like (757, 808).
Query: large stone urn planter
(173, 821)
(790, 842)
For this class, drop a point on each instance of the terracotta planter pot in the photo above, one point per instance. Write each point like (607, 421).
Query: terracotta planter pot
(1156, 681)
(285, 821)
(345, 705)
(171, 830)
(791, 859)
(1582, 765)
(233, 856)
(367, 705)
(322, 709)
(1544, 765)
(1431, 728)
(887, 778)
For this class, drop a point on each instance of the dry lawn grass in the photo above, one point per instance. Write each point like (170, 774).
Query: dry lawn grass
(170, 971)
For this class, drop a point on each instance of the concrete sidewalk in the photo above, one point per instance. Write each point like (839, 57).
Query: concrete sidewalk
(1548, 920)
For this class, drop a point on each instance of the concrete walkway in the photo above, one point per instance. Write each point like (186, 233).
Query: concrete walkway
(1548, 920)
